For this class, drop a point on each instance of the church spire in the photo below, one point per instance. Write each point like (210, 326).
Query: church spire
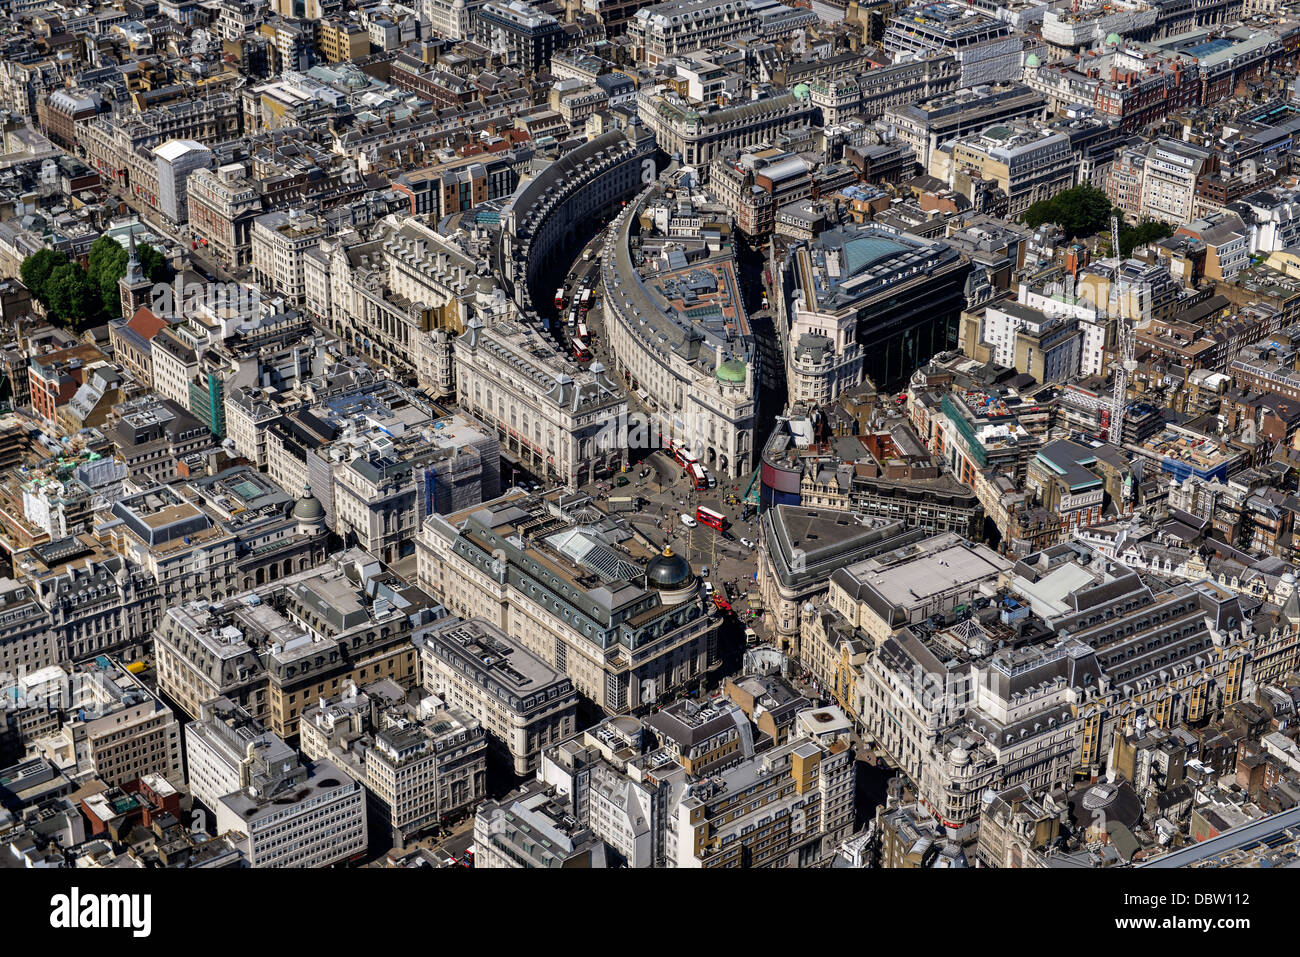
(133, 272)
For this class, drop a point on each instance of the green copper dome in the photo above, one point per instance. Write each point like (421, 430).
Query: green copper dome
(1031, 60)
(801, 91)
(308, 508)
(733, 370)
(1112, 39)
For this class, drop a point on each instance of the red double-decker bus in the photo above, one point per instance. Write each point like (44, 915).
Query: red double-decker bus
(585, 302)
(698, 478)
(580, 350)
(559, 298)
(713, 519)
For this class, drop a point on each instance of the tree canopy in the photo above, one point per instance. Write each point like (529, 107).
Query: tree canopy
(152, 263)
(107, 265)
(1080, 211)
(1147, 231)
(78, 296)
(72, 297)
(37, 268)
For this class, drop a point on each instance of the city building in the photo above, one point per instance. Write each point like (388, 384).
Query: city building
(276, 650)
(861, 302)
(521, 34)
(529, 828)
(421, 765)
(627, 626)
(522, 703)
(306, 816)
(1027, 163)
(112, 727)
(800, 547)
(678, 328)
(226, 751)
(177, 159)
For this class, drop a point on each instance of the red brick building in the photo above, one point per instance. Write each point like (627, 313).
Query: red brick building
(56, 377)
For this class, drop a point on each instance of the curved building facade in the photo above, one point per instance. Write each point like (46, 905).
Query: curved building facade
(680, 337)
(566, 203)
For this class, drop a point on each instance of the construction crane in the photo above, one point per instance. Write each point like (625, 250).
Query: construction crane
(1127, 343)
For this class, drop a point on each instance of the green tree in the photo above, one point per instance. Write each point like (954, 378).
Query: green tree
(152, 263)
(37, 269)
(1080, 211)
(73, 298)
(75, 295)
(1147, 231)
(107, 264)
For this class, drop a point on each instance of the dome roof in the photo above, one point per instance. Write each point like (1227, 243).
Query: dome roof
(732, 370)
(355, 79)
(668, 570)
(1112, 39)
(866, 251)
(308, 508)
(1032, 60)
(801, 91)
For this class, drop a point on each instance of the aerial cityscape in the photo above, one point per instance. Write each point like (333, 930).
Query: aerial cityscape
(504, 434)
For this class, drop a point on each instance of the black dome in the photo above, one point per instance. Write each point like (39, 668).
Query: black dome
(668, 571)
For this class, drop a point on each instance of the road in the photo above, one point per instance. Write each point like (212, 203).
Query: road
(666, 492)
(196, 259)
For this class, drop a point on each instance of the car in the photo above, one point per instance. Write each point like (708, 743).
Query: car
(708, 589)
(535, 486)
(621, 480)
(689, 522)
(704, 572)
(644, 473)
(747, 543)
